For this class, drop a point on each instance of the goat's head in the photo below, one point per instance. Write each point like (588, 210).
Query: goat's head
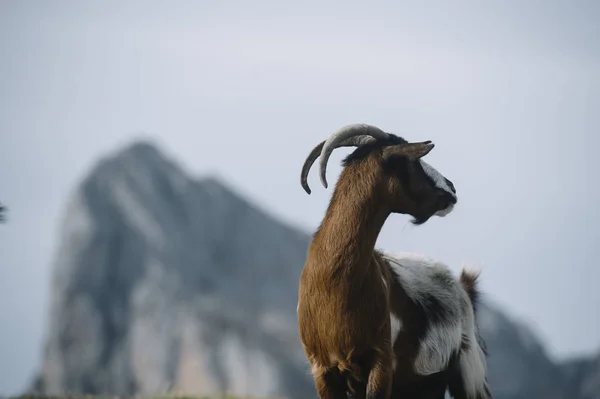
(405, 182)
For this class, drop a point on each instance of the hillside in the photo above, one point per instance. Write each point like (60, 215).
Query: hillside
(163, 283)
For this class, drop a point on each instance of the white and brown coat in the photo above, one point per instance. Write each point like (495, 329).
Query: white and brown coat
(371, 323)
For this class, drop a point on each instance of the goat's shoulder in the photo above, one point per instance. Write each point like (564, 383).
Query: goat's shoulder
(421, 276)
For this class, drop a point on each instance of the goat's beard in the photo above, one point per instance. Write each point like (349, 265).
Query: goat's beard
(419, 220)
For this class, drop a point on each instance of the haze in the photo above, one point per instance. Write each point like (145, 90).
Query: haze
(508, 91)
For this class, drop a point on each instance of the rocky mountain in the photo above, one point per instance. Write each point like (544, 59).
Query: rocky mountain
(164, 284)
(519, 366)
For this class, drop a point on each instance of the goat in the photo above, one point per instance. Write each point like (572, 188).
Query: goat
(371, 323)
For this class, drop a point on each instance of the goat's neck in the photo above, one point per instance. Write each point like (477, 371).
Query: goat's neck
(351, 225)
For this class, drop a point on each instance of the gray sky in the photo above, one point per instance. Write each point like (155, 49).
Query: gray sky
(509, 92)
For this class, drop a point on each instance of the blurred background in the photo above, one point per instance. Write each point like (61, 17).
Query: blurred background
(150, 155)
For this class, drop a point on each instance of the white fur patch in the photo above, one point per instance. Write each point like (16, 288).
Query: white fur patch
(473, 366)
(422, 278)
(396, 326)
(473, 371)
(437, 348)
(440, 181)
(444, 212)
(437, 177)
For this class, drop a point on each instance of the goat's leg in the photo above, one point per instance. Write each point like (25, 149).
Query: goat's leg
(330, 384)
(461, 379)
(357, 395)
(457, 390)
(359, 390)
(379, 384)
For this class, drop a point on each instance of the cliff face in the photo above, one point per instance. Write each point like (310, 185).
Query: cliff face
(163, 283)
(166, 284)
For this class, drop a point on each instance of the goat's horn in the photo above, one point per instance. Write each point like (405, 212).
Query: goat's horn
(314, 154)
(351, 131)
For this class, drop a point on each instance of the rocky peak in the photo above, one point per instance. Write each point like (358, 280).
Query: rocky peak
(157, 274)
(164, 283)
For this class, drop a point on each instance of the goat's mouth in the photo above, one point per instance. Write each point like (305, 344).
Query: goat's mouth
(446, 204)
(441, 206)
(443, 212)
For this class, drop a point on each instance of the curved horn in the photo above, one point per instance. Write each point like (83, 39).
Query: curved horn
(351, 131)
(312, 157)
(314, 154)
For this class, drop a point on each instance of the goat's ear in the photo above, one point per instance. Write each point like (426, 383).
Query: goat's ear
(412, 151)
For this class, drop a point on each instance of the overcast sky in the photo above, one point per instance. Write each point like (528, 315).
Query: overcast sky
(508, 91)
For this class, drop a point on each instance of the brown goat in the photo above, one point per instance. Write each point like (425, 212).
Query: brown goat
(374, 324)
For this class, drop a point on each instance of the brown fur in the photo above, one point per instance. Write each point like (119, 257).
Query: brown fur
(344, 306)
(468, 280)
